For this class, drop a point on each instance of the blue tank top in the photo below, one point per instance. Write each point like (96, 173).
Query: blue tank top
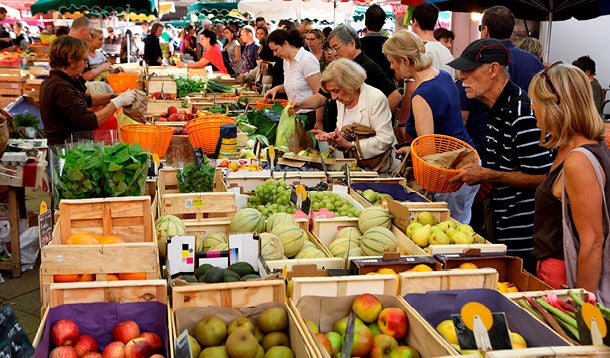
(443, 97)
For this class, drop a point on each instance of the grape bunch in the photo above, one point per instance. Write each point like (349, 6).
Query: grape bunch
(333, 202)
(272, 196)
(321, 186)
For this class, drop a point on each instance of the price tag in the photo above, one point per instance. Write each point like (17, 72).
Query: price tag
(183, 347)
(14, 341)
(45, 225)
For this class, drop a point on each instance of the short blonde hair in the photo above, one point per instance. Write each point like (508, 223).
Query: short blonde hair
(531, 45)
(97, 33)
(405, 44)
(346, 73)
(565, 100)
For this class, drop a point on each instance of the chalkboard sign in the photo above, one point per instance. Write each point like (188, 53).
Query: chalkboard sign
(183, 347)
(14, 342)
(498, 333)
(45, 227)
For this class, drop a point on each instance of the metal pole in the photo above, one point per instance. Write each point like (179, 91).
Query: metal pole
(128, 39)
(547, 50)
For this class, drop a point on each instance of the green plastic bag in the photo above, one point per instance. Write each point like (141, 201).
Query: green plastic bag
(285, 127)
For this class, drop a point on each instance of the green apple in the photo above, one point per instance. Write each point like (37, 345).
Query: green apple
(336, 341)
(217, 352)
(341, 325)
(374, 327)
(421, 236)
(210, 331)
(313, 327)
(405, 352)
(240, 322)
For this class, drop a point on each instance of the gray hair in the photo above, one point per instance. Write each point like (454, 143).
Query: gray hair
(347, 74)
(345, 34)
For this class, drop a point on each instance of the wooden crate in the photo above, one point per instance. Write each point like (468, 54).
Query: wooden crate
(156, 106)
(420, 282)
(230, 300)
(197, 207)
(565, 352)
(11, 75)
(11, 88)
(130, 218)
(337, 286)
(121, 292)
(324, 311)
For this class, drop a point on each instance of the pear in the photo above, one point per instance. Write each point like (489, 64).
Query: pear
(446, 224)
(421, 236)
(370, 195)
(439, 238)
(465, 228)
(462, 238)
(414, 225)
(426, 218)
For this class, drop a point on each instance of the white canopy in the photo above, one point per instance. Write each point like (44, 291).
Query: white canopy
(274, 10)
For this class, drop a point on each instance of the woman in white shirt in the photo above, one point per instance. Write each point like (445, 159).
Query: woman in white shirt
(301, 69)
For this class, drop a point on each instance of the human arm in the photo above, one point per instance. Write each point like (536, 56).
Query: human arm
(472, 174)
(236, 54)
(96, 71)
(586, 203)
(379, 118)
(422, 114)
(271, 93)
(394, 100)
(314, 101)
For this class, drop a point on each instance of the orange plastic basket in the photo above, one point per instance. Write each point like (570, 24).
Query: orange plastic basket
(260, 104)
(121, 82)
(152, 138)
(431, 177)
(204, 132)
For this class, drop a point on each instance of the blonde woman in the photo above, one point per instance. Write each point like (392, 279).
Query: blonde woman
(577, 189)
(97, 63)
(435, 106)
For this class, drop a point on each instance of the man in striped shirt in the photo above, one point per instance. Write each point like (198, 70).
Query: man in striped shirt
(516, 164)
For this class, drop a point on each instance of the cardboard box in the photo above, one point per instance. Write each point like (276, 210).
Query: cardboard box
(421, 282)
(510, 269)
(365, 265)
(450, 302)
(229, 301)
(325, 311)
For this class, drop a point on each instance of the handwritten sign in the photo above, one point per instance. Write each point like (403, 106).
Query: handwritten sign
(45, 227)
(183, 347)
(14, 342)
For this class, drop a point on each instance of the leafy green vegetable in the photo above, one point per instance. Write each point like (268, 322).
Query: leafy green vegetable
(186, 85)
(125, 169)
(81, 174)
(191, 180)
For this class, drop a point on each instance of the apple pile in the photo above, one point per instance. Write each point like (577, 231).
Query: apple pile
(425, 230)
(174, 114)
(243, 337)
(378, 331)
(128, 342)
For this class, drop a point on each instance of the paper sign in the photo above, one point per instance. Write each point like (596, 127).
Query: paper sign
(247, 247)
(498, 333)
(45, 228)
(220, 259)
(340, 189)
(14, 341)
(183, 348)
(181, 255)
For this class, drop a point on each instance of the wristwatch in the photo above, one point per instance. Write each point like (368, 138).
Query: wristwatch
(353, 147)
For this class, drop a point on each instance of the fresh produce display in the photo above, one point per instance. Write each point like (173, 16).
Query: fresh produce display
(447, 329)
(267, 336)
(167, 226)
(129, 341)
(174, 114)
(261, 124)
(374, 197)
(193, 180)
(426, 231)
(81, 174)
(186, 86)
(207, 273)
(378, 331)
(125, 168)
(240, 164)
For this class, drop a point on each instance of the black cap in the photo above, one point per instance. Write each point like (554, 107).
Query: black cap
(481, 51)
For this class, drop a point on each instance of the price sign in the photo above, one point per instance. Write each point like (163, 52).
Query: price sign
(14, 341)
(183, 348)
(45, 225)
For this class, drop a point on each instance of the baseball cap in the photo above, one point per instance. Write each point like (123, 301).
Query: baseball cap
(481, 51)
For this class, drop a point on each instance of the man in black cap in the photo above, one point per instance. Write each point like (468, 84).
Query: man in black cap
(516, 164)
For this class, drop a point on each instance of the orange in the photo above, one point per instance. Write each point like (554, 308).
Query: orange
(421, 268)
(66, 277)
(112, 277)
(82, 239)
(110, 239)
(86, 277)
(468, 266)
(133, 276)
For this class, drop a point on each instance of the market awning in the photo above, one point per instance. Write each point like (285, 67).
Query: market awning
(274, 10)
(11, 11)
(216, 8)
(146, 7)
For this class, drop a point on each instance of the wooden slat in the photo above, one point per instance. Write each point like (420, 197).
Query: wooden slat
(234, 294)
(108, 291)
(422, 282)
(336, 286)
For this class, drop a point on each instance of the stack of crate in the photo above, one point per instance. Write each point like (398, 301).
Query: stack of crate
(11, 85)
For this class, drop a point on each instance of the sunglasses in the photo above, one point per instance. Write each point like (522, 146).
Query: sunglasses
(545, 74)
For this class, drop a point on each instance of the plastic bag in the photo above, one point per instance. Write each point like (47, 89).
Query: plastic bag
(98, 87)
(284, 128)
(29, 247)
(137, 110)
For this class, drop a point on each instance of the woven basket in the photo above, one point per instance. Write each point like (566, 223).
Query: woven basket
(204, 132)
(6, 119)
(431, 177)
(121, 82)
(152, 138)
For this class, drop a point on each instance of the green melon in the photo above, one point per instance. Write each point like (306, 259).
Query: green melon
(167, 226)
(223, 246)
(310, 253)
(374, 216)
(271, 247)
(279, 218)
(308, 243)
(215, 239)
(292, 238)
(378, 240)
(339, 246)
(247, 220)
(355, 252)
(349, 232)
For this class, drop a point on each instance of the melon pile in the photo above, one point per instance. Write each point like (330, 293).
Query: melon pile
(372, 237)
(166, 227)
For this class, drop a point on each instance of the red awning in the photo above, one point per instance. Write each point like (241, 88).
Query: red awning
(19, 4)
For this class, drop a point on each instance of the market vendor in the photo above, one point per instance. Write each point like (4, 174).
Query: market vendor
(211, 56)
(63, 102)
(364, 121)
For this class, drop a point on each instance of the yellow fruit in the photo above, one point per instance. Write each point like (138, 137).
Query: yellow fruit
(386, 271)
(421, 268)
(507, 287)
(447, 330)
(468, 266)
(517, 340)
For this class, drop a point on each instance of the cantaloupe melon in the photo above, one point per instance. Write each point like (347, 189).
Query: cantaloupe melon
(291, 236)
(339, 246)
(378, 240)
(271, 247)
(247, 220)
(349, 232)
(374, 216)
(279, 218)
(310, 253)
(215, 239)
(166, 227)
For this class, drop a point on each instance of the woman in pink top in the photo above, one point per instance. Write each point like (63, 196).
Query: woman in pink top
(188, 41)
(211, 56)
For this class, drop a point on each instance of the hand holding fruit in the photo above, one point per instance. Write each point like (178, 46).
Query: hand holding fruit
(124, 99)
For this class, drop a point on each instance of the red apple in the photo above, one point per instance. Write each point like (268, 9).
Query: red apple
(383, 345)
(190, 116)
(183, 131)
(363, 341)
(367, 307)
(86, 343)
(154, 340)
(125, 331)
(172, 110)
(405, 352)
(323, 340)
(115, 349)
(161, 119)
(174, 118)
(193, 109)
(336, 341)
(138, 348)
(92, 355)
(164, 115)
(64, 333)
(393, 321)
(63, 352)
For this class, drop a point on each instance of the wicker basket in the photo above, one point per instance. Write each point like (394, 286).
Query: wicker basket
(6, 119)
(204, 132)
(152, 138)
(260, 104)
(121, 82)
(431, 177)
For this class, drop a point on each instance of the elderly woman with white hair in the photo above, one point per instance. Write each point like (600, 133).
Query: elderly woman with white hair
(364, 121)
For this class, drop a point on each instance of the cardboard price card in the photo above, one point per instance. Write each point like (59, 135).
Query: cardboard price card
(480, 329)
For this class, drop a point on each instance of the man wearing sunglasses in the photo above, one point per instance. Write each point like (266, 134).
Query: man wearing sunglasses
(516, 164)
